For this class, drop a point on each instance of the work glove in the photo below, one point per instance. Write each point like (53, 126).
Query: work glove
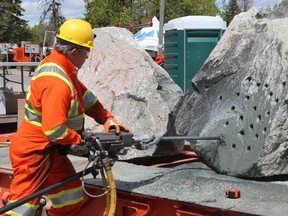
(113, 124)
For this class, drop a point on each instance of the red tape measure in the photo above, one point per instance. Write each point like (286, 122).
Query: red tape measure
(233, 193)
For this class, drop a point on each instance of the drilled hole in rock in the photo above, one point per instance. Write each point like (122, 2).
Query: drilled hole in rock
(242, 132)
(255, 107)
(265, 129)
(283, 83)
(233, 145)
(233, 108)
(258, 84)
(238, 94)
(220, 97)
(259, 117)
(277, 100)
(247, 97)
(241, 117)
(266, 85)
(268, 113)
(248, 148)
(270, 93)
(249, 78)
(227, 123)
(251, 126)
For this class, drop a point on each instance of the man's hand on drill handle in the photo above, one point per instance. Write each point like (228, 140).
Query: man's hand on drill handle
(112, 124)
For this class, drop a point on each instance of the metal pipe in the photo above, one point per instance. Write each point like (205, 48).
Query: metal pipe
(161, 23)
(167, 138)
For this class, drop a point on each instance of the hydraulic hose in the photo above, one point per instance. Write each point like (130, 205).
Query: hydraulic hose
(106, 163)
(105, 186)
(113, 194)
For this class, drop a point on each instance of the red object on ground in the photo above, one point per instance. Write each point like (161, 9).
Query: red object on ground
(233, 193)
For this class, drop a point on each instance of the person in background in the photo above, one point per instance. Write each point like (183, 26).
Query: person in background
(54, 116)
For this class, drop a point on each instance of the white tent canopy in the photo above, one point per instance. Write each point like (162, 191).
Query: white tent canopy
(148, 37)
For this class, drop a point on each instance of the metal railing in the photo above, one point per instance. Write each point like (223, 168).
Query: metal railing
(4, 65)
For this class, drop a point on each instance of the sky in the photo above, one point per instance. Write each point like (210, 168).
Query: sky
(69, 9)
(76, 9)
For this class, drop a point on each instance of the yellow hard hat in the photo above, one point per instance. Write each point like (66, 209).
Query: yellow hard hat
(77, 31)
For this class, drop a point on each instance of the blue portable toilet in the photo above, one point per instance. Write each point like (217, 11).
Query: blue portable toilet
(188, 41)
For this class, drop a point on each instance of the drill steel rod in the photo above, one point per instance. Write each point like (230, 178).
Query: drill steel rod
(167, 138)
(44, 191)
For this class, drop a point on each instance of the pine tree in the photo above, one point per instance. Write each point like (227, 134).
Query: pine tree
(245, 5)
(231, 10)
(13, 29)
(51, 15)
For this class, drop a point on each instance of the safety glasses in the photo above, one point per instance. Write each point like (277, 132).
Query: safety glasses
(84, 51)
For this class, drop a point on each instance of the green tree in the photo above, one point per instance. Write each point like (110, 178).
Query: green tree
(38, 33)
(51, 15)
(106, 13)
(230, 11)
(245, 5)
(13, 29)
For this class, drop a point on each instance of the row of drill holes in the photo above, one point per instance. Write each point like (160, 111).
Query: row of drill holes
(234, 146)
(251, 126)
(248, 97)
(259, 84)
(241, 117)
(242, 132)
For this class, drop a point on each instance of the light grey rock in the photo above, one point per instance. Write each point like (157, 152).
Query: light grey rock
(239, 94)
(140, 93)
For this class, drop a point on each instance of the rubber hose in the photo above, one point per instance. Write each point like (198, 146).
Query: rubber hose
(105, 186)
(113, 193)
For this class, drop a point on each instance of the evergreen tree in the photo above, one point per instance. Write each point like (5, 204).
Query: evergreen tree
(231, 10)
(106, 13)
(245, 5)
(51, 15)
(13, 29)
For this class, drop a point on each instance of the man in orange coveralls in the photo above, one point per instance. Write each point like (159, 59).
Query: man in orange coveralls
(54, 115)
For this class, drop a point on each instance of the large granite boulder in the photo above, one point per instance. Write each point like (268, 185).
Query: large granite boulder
(240, 95)
(129, 83)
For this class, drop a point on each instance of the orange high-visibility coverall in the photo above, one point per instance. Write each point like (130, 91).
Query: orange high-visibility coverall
(35, 160)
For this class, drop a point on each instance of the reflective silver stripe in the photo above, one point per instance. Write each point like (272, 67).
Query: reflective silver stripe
(89, 99)
(53, 69)
(65, 198)
(23, 210)
(32, 117)
(50, 68)
(57, 133)
(76, 123)
(74, 108)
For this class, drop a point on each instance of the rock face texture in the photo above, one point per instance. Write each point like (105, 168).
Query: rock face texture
(240, 94)
(129, 83)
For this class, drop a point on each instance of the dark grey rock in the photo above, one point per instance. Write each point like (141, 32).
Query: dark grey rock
(239, 95)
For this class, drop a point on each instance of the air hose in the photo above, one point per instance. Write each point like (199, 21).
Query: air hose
(111, 207)
(104, 165)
